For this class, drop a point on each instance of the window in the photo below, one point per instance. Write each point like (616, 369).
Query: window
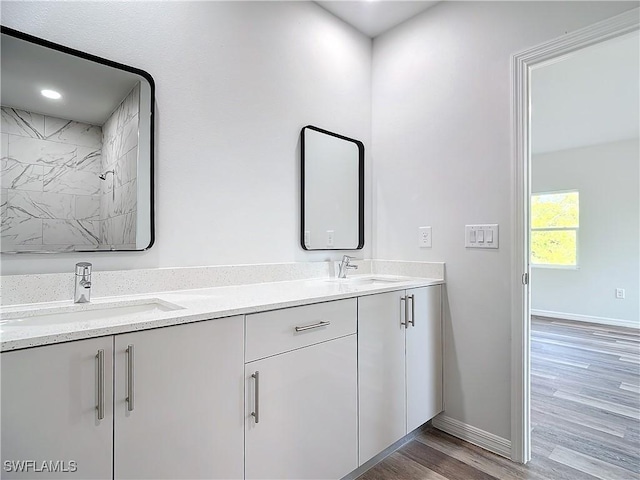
(554, 229)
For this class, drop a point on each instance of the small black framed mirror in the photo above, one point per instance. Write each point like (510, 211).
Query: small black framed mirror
(332, 191)
(77, 150)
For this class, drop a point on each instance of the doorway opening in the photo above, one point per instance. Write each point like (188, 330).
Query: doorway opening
(559, 221)
(584, 257)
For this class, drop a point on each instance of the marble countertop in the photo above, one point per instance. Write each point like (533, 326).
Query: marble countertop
(24, 326)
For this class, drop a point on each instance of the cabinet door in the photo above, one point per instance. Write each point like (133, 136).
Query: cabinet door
(187, 417)
(424, 357)
(49, 414)
(307, 413)
(381, 372)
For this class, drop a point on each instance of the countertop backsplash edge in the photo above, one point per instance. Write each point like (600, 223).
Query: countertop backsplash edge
(52, 287)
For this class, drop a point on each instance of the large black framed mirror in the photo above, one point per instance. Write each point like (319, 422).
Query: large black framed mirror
(332, 191)
(77, 150)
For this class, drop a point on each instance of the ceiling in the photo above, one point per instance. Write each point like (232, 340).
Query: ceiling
(90, 91)
(373, 17)
(587, 98)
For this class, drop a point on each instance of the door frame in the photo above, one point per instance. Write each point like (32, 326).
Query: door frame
(521, 65)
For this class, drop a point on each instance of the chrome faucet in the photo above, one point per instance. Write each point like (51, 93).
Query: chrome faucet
(345, 265)
(82, 293)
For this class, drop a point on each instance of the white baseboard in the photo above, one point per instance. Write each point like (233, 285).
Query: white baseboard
(474, 435)
(586, 318)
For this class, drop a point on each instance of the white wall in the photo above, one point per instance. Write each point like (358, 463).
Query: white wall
(236, 82)
(608, 179)
(442, 157)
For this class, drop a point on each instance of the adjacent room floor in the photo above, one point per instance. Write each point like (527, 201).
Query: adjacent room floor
(585, 398)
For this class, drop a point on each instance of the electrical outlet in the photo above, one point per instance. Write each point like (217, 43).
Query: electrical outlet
(329, 238)
(424, 237)
(620, 293)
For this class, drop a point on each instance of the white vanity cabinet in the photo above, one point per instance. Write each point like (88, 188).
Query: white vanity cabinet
(301, 395)
(172, 404)
(50, 396)
(424, 356)
(306, 392)
(399, 365)
(178, 404)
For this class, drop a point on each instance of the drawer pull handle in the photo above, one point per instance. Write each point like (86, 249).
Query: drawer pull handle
(312, 326)
(256, 409)
(413, 310)
(100, 405)
(406, 311)
(130, 385)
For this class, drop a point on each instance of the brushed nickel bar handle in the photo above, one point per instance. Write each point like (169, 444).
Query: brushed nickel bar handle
(130, 385)
(413, 310)
(315, 325)
(256, 408)
(100, 405)
(404, 299)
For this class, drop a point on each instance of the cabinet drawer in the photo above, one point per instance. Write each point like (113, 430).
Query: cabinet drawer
(277, 331)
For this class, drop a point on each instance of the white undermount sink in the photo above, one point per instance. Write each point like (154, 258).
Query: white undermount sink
(367, 280)
(86, 312)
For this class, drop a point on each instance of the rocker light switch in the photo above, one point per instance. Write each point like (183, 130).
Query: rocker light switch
(481, 236)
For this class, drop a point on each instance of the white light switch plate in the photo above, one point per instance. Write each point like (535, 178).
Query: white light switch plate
(424, 237)
(481, 236)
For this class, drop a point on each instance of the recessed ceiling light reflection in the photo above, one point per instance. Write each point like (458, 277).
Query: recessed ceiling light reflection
(51, 94)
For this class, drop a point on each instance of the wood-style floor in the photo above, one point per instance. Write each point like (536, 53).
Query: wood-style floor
(585, 415)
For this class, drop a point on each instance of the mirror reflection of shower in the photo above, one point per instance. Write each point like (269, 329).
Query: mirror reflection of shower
(103, 176)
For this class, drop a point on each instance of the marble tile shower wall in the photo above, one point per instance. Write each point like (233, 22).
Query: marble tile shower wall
(49, 181)
(119, 199)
